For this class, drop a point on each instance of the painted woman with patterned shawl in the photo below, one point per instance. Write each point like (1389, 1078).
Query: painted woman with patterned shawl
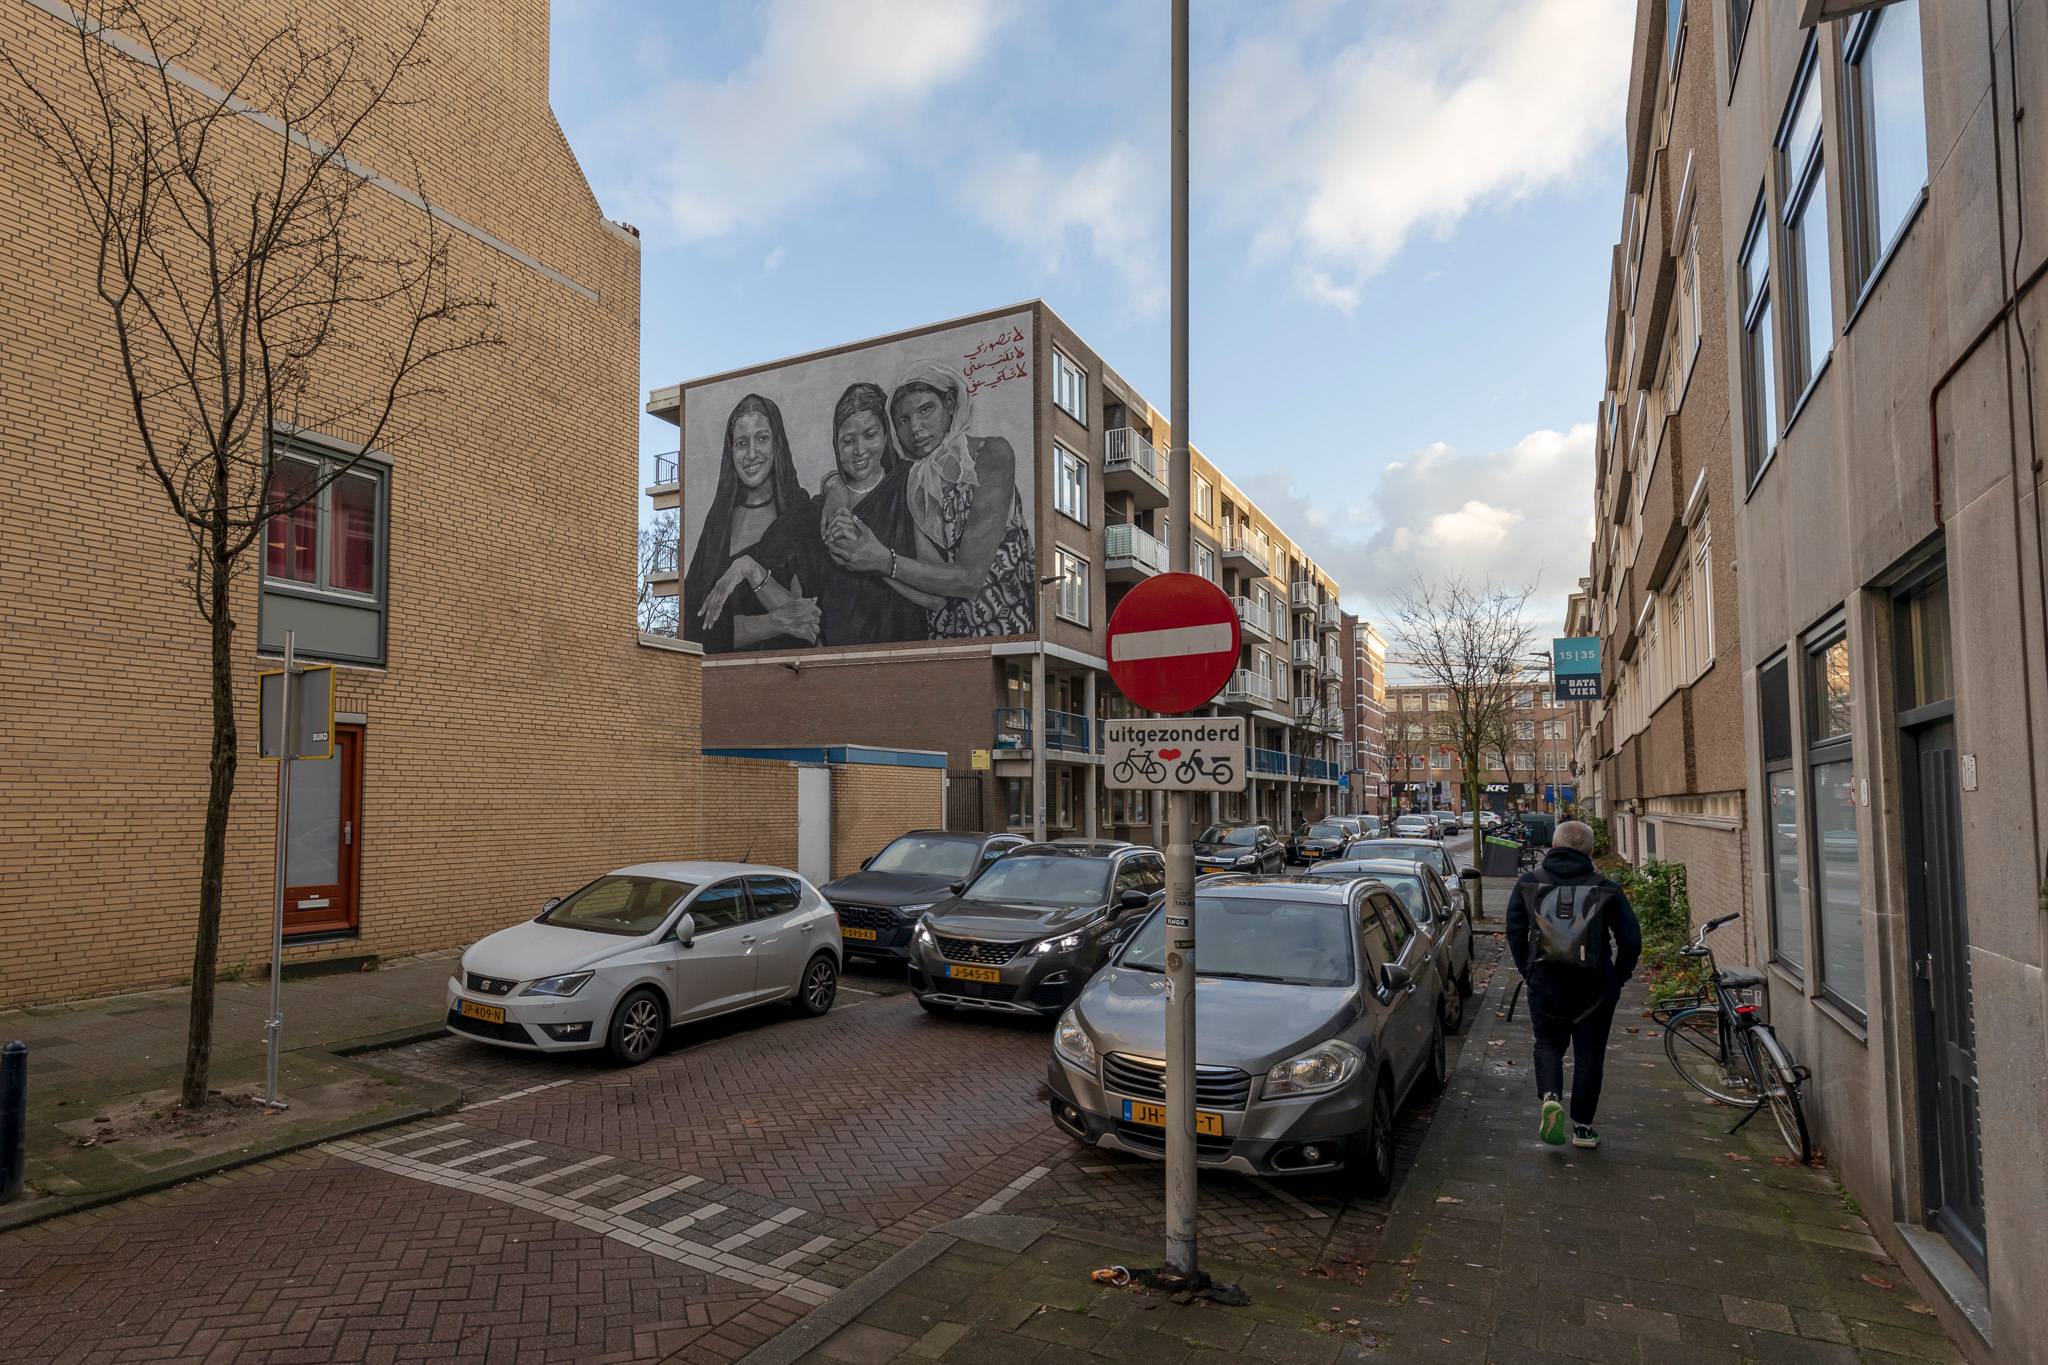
(974, 545)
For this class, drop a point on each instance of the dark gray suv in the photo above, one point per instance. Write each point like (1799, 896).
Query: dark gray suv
(1026, 934)
(879, 905)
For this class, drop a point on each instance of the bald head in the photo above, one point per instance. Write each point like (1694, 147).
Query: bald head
(1576, 835)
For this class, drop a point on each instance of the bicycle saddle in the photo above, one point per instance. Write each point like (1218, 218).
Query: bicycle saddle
(1735, 978)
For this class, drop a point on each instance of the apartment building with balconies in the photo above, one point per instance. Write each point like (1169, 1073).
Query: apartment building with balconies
(1663, 771)
(1001, 661)
(1527, 768)
(1365, 705)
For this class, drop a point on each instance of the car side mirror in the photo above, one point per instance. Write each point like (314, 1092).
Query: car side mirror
(1396, 978)
(550, 903)
(685, 931)
(1466, 874)
(956, 887)
(1134, 899)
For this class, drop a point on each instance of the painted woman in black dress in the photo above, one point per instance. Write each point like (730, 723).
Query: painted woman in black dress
(757, 492)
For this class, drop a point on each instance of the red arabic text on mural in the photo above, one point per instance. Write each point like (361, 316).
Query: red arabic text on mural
(998, 360)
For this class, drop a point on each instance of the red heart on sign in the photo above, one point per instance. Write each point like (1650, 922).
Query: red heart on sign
(1169, 754)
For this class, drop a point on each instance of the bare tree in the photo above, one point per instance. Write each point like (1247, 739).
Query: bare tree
(659, 544)
(250, 295)
(1466, 642)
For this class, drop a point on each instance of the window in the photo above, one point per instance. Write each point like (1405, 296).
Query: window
(1886, 132)
(1073, 601)
(1525, 729)
(1759, 377)
(1738, 28)
(1205, 500)
(1695, 297)
(325, 555)
(723, 906)
(1774, 706)
(1069, 387)
(1017, 799)
(1803, 191)
(1674, 32)
(1070, 483)
(1205, 562)
(1831, 780)
(774, 896)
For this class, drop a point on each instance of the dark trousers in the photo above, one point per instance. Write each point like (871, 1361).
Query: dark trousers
(1584, 1030)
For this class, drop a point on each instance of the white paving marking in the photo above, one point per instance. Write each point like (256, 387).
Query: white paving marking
(437, 1147)
(488, 1151)
(593, 1187)
(1011, 1190)
(512, 1165)
(810, 1248)
(414, 1133)
(548, 1176)
(658, 1193)
(1270, 1188)
(521, 1094)
(678, 1224)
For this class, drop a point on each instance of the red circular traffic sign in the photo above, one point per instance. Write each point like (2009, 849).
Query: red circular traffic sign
(1173, 642)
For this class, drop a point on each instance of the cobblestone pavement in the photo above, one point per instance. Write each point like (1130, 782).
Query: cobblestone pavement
(686, 1210)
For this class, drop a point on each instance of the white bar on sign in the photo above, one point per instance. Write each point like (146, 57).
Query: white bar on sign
(1167, 644)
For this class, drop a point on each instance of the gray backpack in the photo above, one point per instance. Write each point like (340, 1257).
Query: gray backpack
(1567, 925)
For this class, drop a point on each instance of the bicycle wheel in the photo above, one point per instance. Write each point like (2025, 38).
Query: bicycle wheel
(1122, 772)
(1222, 772)
(1154, 770)
(1185, 773)
(1701, 1052)
(1781, 1088)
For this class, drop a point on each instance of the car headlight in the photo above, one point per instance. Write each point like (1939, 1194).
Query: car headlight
(922, 934)
(558, 985)
(1065, 943)
(1319, 1069)
(1247, 858)
(1073, 1044)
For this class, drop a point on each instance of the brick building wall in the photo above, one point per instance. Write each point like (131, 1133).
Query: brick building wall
(517, 739)
(755, 801)
(873, 803)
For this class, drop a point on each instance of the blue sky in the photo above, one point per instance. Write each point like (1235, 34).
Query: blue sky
(1402, 212)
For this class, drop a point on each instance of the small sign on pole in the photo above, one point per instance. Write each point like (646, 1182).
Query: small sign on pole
(310, 707)
(1575, 665)
(1188, 754)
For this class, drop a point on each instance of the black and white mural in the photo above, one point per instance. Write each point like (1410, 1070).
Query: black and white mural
(879, 495)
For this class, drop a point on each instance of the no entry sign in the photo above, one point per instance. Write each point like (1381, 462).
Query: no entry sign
(1173, 642)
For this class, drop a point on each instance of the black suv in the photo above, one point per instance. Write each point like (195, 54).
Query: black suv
(880, 904)
(1239, 848)
(1025, 935)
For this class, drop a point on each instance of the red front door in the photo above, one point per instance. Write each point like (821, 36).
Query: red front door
(326, 839)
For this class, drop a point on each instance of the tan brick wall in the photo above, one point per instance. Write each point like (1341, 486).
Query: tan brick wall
(750, 810)
(1716, 880)
(872, 804)
(519, 739)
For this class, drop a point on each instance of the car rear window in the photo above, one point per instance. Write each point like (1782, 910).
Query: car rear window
(1327, 830)
(1257, 939)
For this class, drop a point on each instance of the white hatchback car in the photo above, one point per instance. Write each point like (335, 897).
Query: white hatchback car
(619, 962)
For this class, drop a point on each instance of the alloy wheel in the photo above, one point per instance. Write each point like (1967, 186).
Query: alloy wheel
(821, 984)
(640, 1029)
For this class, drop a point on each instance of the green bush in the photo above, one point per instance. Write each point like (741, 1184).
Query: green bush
(1657, 891)
(1601, 843)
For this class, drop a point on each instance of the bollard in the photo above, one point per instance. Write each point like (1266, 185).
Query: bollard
(13, 1119)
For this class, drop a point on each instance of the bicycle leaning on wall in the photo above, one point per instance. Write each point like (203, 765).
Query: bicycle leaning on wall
(1724, 1049)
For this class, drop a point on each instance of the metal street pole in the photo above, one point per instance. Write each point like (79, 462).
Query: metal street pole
(1180, 851)
(273, 1028)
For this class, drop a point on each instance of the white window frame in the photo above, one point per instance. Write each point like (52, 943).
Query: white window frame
(1803, 189)
(1205, 500)
(1070, 484)
(1069, 386)
(1072, 601)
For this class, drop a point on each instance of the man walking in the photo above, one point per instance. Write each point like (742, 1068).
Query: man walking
(1575, 940)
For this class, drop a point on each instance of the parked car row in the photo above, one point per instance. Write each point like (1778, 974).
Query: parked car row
(1325, 997)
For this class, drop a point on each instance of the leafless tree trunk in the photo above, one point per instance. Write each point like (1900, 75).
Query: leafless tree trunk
(249, 294)
(1467, 642)
(659, 545)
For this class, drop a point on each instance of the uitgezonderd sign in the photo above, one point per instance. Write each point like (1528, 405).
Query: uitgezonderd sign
(1189, 753)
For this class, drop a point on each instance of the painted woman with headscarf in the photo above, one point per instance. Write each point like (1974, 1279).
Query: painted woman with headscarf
(757, 490)
(974, 545)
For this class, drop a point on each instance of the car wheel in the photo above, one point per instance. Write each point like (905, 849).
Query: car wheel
(819, 986)
(1454, 1010)
(1372, 1153)
(1437, 1073)
(638, 1026)
(1465, 980)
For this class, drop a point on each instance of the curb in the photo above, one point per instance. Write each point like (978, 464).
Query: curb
(398, 1037)
(812, 1329)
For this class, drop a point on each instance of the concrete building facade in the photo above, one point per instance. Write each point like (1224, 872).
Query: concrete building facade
(1015, 698)
(1662, 770)
(1365, 701)
(493, 735)
(1882, 210)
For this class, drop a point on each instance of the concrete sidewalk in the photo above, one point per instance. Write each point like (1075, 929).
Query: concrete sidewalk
(104, 1077)
(1674, 1241)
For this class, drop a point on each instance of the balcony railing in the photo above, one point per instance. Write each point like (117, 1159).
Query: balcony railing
(1328, 616)
(1129, 461)
(1253, 614)
(1305, 654)
(1265, 762)
(1065, 732)
(1243, 548)
(1305, 707)
(1247, 686)
(1331, 666)
(665, 467)
(1135, 548)
(1303, 596)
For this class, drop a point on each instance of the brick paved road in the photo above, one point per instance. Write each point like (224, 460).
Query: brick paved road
(685, 1210)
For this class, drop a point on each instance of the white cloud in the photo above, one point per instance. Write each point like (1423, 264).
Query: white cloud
(1335, 153)
(1516, 517)
(1106, 201)
(832, 87)
(772, 261)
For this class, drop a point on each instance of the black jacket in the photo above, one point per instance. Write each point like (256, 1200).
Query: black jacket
(1619, 945)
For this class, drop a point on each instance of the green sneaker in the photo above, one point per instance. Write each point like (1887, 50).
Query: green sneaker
(1584, 1136)
(1551, 1127)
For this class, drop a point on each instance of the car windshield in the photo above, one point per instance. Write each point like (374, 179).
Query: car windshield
(1326, 829)
(1242, 836)
(1407, 853)
(928, 855)
(619, 904)
(1257, 939)
(1042, 881)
